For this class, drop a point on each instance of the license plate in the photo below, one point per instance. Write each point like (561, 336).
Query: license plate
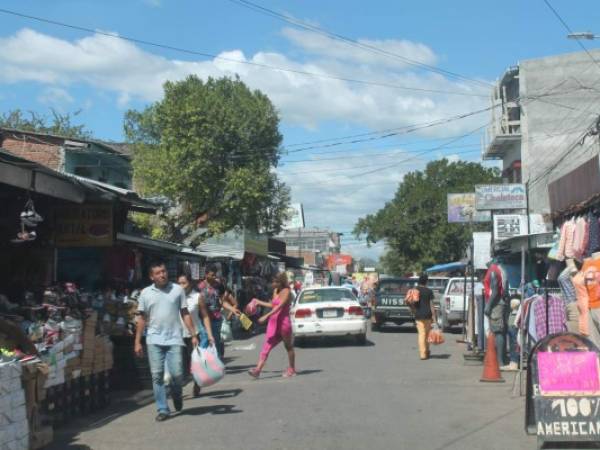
(329, 313)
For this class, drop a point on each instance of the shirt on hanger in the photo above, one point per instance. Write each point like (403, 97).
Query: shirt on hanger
(566, 285)
(556, 316)
(593, 234)
(582, 302)
(591, 272)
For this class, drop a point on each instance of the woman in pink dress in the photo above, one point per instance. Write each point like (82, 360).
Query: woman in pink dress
(279, 327)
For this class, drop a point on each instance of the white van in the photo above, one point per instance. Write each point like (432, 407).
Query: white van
(452, 304)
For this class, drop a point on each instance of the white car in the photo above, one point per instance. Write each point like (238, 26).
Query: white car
(328, 311)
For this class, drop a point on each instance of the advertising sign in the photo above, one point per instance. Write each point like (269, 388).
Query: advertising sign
(462, 206)
(500, 196)
(507, 226)
(563, 391)
(295, 215)
(338, 259)
(84, 226)
(511, 225)
(482, 249)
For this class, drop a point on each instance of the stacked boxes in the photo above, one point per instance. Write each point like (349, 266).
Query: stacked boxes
(103, 354)
(34, 378)
(89, 344)
(14, 428)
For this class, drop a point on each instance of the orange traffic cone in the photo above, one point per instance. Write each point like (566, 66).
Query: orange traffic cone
(491, 370)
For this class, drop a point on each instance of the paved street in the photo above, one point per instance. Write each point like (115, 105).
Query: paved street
(380, 396)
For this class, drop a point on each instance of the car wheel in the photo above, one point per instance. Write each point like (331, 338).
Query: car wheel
(375, 326)
(361, 339)
(299, 342)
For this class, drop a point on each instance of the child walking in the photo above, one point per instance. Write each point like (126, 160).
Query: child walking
(279, 327)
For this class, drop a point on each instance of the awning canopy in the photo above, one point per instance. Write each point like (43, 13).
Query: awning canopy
(533, 241)
(25, 174)
(447, 267)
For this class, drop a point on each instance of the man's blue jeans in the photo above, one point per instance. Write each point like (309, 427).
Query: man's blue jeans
(172, 355)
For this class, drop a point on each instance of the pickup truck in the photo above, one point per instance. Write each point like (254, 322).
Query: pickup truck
(452, 305)
(389, 303)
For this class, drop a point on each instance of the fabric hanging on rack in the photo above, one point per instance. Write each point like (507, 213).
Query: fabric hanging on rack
(566, 285)
(567, 236)
(557, 318)
(583, 302)
(593, 234)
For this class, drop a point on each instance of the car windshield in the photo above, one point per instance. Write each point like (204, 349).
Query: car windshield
(325, 295)
(399, 287)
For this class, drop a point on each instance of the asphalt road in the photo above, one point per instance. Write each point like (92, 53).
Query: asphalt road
(380, 396)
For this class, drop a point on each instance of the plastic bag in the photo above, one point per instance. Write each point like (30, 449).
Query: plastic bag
(435, 337)
(226, 332)
(206, 368)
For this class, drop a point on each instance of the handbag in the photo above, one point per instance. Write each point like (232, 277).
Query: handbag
(206, 367)
(245, 321)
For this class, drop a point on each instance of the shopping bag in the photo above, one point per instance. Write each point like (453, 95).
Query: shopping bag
(435, 337)
(245, 321)
(206, 368)
(226, 332)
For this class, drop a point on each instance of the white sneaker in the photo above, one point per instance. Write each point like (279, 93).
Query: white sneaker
(512, 367)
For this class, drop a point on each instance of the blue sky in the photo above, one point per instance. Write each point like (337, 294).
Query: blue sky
(44, 66)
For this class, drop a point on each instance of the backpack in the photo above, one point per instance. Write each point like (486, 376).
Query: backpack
(412, 297)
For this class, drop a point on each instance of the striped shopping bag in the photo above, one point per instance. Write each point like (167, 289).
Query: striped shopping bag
(207, 369)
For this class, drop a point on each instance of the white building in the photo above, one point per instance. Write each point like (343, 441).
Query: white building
(543, 128)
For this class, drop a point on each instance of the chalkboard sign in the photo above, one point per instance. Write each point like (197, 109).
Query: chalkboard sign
(563, 390)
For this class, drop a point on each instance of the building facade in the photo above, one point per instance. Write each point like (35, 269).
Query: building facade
(544, 121)
(95, 160)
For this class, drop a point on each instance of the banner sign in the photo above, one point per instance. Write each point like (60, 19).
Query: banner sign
(461, 207)
(562, 403)
(84, 226)
(500, 196)
(295, 217)
(507, 226)
(482, 249)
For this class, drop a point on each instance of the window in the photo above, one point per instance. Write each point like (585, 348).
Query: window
(325, 295)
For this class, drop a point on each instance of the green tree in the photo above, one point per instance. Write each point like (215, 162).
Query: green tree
(57, 123)
(211, 147)
(414, 224)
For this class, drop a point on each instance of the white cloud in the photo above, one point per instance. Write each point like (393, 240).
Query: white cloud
(55, 97)
(323, 46)
(121, 67)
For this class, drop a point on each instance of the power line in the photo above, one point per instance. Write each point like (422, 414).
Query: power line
(353, 42)
(416, 155)
(237, 61)
(568, 28)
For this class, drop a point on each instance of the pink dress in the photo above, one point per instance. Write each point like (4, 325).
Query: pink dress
(278, 327)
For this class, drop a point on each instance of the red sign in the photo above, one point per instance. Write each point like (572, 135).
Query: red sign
(338, 259)
(568, 373)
